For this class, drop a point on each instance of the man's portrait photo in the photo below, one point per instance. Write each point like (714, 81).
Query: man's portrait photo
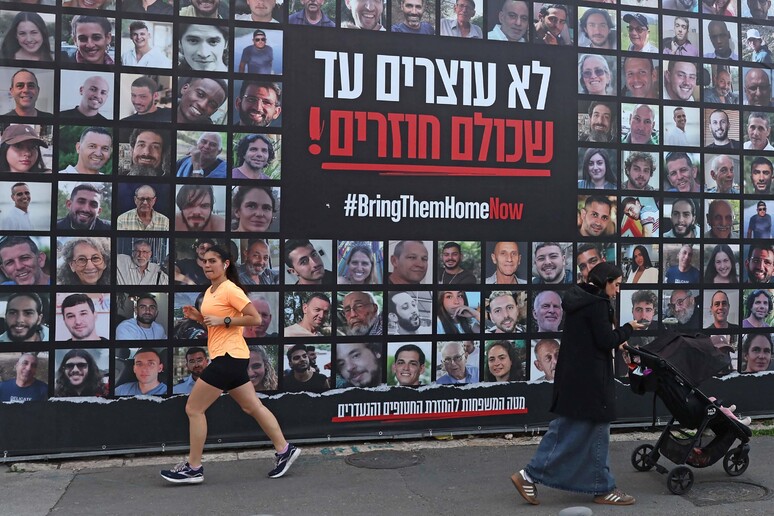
(314, 13)
(25, 376)
(85, 150)
(758, 172)
(359, 364)
(257, 103)
(680, 36)
(88, 96)
(596, 215)
(684, 128)
(409, 313)
(149, 99)
(146, 44)
(144, 152)
(597, 28)
(506, 311)
(201, 154)
(82, 316)
(307, 314)
(308, 262)
(256, 156)
(505, 265)
(25, 206)
(81, 372)
(142, 207)
(260, 50)
(680, 81)
(459, 262)
(413, 17)
(363, 14)
(640, 124)
(409, 363)
(25, 318)
(597, 122)
(721, 173)
(259, 261)
(411, 262)
(756, 85)
(359, 313)
(25, 260)
(724, 84)
(86, 207)
(462, 18)
(141, 371)
(30, 92)
(142, 261)
(200, 208)
(202, 100)
(267, 305)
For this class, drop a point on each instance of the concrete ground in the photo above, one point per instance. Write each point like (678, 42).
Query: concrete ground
(462, 476)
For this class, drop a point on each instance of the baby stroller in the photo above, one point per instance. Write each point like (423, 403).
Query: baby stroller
(699, 433)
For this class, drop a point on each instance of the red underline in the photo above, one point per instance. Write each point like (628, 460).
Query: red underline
(432, 170)
(425, 417)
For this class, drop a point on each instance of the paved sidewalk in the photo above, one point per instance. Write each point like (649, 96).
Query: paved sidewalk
(457, 477)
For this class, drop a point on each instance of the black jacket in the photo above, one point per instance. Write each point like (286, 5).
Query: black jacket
(583, 386)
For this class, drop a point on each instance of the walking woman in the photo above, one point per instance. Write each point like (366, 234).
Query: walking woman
(573, 454)
(224, 311)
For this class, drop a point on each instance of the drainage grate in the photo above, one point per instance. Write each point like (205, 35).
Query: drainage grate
(718, 493)
(385, 459)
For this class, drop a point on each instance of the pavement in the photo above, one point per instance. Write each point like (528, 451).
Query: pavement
(460, 476)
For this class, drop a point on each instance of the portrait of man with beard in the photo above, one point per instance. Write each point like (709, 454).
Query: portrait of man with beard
(549, 262)
(259, 104)
(408, 313)
(301, 376)
(359, 365)
(683, 310)
(360, 314)
(256, 263)
(78, 374)
(24, 318)
(150, 153)
(84, 206)
(600, 124)
(196, 204)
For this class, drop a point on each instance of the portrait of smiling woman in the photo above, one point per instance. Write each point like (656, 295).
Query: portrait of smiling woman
(203, 47)
(28, 38)
(84, 261)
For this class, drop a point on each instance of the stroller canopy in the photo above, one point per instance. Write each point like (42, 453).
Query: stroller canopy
(694, 355)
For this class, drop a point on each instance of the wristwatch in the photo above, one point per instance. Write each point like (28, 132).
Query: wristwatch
(227, 321)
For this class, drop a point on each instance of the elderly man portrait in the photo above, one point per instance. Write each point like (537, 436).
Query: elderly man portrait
(547, 311)
(143, 217)
(721, 220)
(643, 126)
(25, 90)
(639, 33)
(149, 153)
(360, 315)
(455, 365)
(460, 26)
(202, 159)
(723, 172)
(757, 87)
(139, 269)
(684, 310)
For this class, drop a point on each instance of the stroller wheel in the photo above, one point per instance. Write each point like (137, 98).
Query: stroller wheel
(680, 480)
(641, 457)
(735, 463)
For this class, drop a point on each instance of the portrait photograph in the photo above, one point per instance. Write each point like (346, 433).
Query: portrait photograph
(217, 9)
(597, 215)
(597, 168)
(757, 11)
(24, 376)
(25, 206)
(640, 77)
(681, 81)
(188, 259)
(756, 85)
(312, 262)
(642, 306)
(201, 154)
(202, 47)
(141, 371)
(92, 41)
(307, 314)
(640, 263)
(597, 28)
(682, 126)
(263, 369)
(142, 261)
(758, 172)
(359, 262)
(639, 217)
(29, 36)
(88, 96)
(144, 151)
(720, 40)
(258, 51)
(682, 263)
(146, 43)
(505, 360)
(132, 200)
(462, 18)
(310, 14)
(757, 308)
(411, 262)
(506, 311)
(359, 312)
(459, 262)
(200, 208)
(85, 316)
(358, 14)
(506, 263)
(640, 34)
(597, 121)
(640, 124)
(721, 309)
(542, 362)
(682, 217)
(83, 261)
(84, 206)
(756, 131)
(413, 16)
(640, 170)
(688, 6)
(258, 261)
(756, 218)
(269, 11)
(85, 150)
(409, 313)
(141, 316)
(547, 314)
(597, 74)
(722, 263)
(547, 19)
(267, 305)
(681, 172)
(721, 83)
(409, 364)
(81, 372)
(149, 98)
(202, 100)
(25, 317)
(458, 312)
(360, 365)
(33, 151)
(681, 35)
(188, 362)
(452, 365)
(721, 173)
(256, 156)
(589, 254)
(15, 249)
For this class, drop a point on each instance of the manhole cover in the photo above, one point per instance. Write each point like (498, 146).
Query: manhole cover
(385, 459)
(716, 493)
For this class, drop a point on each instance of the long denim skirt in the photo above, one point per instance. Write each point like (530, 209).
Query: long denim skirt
(573, 456)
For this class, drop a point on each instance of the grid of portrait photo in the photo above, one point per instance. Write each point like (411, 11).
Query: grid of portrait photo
(675, 166)
(137, 134)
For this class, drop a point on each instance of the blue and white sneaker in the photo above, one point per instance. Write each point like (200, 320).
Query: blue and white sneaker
(283, 461)
(183, 473)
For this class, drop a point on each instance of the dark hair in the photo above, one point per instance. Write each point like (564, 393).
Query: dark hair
(144, 81)
(610, 175)
(748, 302)
(517, 370)
(103, 22)
(645, 296)
(148, 350)
(293, 244)
(184, 65)
(32, 295)
(639, 156)
(544, 9)
(97, 130)
(411, 347)
(189, 194)
(603, 273)
(588, 247)
(194, 350)
(85, 186)
(161, 134)
(240, 192)
(760, 160)
(674, 156)
(11, 45)
(92, 384)
(449, 245)
(137, 25)
(231, 272)
(600, 199)
(449, 323)
(711, 271)
(14, 240)
(644, 252)
(297, 347)
(748, 342)
(38, 166)
(763, 247)
(244, 144)
(275, 87)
